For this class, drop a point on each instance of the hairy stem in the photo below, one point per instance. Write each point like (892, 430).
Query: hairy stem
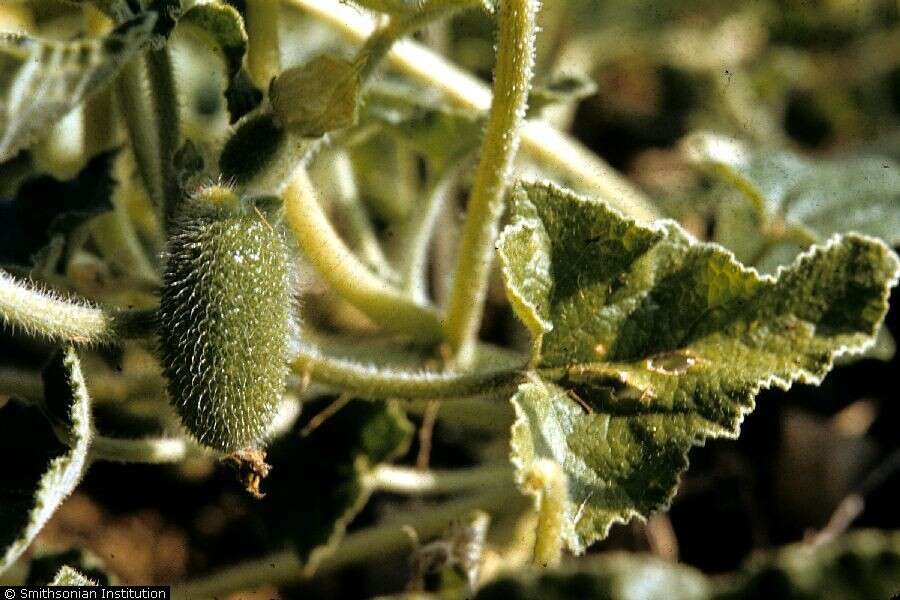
(542, 142)
(512, 82)
(164, 98)
(43, 313)
(374, 381)
(406, 480)
(343, 270)
(366, 544)
(263, 53)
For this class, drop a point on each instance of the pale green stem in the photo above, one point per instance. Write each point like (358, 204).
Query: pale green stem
(151, 451)
(367, 544)
(550, 147)
(406, 480)
(343, 270)
(164, 99)
(512, 82)
(378, 381)
(139, 122)
(263, 52)
(414, 236)
(344, 194)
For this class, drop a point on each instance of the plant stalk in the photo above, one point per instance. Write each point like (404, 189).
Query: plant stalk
(346, 274)
(379, 382)
(548, 146)
(512, 83)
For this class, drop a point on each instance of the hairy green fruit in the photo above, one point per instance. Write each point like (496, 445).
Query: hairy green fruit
(225, 319)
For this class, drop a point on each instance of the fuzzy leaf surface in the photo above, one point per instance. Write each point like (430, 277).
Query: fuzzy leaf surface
(45, 470)
(41, 80)
(648, 342)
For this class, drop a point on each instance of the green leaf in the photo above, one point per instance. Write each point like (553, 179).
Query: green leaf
(317, 482)
(45, 471)
(613, 576)
(220, 27)
(648, 342)
(317, 97)
(68, 576)
(858, 566)
(822, 197)
(563, 89)
(41, 81)
(424, 121)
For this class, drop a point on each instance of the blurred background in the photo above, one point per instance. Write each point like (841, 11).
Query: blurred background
(816, 80)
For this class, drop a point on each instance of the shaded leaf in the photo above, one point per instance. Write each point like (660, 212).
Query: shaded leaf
(44, 471)
(424, 121)
(316, 485)
(647, 343)
(41, 80)
(614, 576)
(317, 97)
(858, 566)
(68, 576)
(563, 89)
(45, 207)
(823, 197)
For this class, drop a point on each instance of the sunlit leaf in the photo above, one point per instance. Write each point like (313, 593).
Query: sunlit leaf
(647, 342)
(45, 470)
(41, 81)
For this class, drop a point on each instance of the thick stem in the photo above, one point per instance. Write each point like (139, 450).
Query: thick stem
(406, 480)
(164, 98)
(376, 381)
(550, 147)
(367, 544)
(343, 270)
(512, 82)
(263, 53)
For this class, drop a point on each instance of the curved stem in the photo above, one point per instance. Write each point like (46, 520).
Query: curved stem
(512, 83)
(550, 147)
(414, 236)
(366, 544)
(406, 480)
(263, 53)
(371, 381)
(343, 270)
